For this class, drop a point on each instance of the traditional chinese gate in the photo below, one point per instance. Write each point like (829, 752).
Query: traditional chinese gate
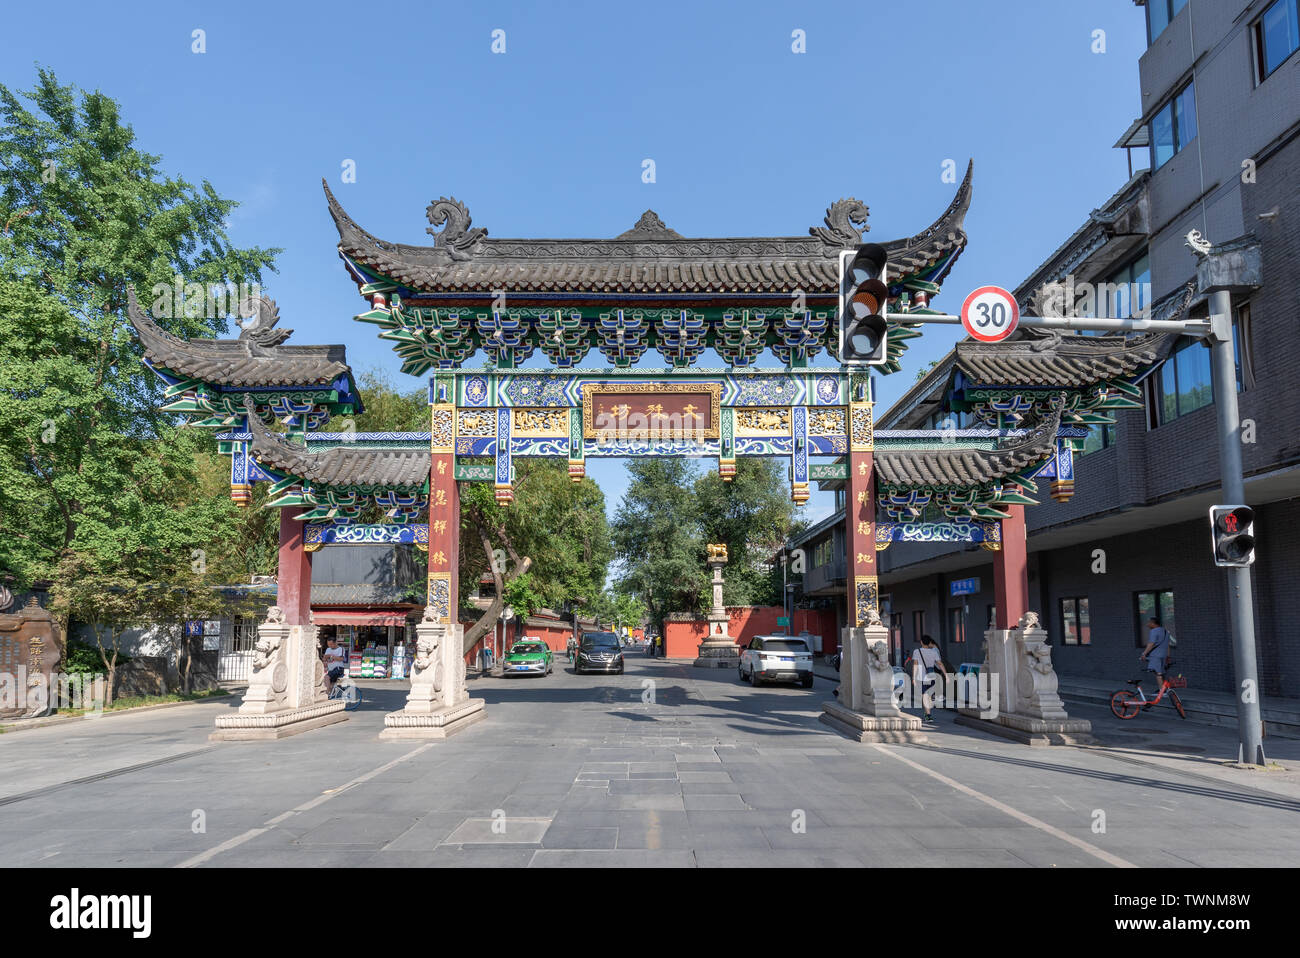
(647, 289)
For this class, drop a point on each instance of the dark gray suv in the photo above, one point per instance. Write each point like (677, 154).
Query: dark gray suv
(599, 652)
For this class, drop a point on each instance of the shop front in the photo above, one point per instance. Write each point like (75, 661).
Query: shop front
(376, 643)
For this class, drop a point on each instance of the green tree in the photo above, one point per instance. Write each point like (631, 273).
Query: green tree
(658, 541)
(87, 463)
(753, 515)
(551, 547)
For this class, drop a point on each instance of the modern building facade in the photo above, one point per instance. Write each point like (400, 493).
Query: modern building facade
(1220, 101)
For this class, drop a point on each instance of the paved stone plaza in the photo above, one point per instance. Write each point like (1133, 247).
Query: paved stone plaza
(579, 770)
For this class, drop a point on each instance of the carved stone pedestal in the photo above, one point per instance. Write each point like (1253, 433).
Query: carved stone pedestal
(287, 692)
(438, 704)
(718, 650)
(866, 710)
(1018, 663)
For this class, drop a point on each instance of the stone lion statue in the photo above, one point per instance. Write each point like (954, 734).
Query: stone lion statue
(1040, 659)
(874, 621)
(878, 659)
(1029, 622)
(425, 648)
(717, 551)
(264, 650)
(275, 615)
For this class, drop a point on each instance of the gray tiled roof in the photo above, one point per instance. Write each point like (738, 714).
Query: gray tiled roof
(237, 362)
(649, 258)
(1052, 359)
(965, 466)
(340, 466)
(326, 594)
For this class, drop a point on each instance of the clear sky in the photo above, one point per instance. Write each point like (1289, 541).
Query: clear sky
(547, 139)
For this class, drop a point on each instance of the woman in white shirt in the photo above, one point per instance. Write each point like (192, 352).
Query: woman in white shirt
(926, 663)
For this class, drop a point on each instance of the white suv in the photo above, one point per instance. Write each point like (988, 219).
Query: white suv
(777, 658)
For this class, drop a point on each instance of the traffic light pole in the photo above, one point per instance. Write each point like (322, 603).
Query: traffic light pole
(1241, 606)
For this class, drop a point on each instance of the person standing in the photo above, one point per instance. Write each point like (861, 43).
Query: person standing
(926, 663)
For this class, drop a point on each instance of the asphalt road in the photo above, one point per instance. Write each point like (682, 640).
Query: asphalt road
(664, 765)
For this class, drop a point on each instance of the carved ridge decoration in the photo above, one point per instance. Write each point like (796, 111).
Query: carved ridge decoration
(764, 420)
(591, 390)
(826, 422)
(846, 221)
(456, 237)
(541, 422)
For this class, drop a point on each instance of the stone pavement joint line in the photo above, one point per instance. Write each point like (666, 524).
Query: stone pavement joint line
(304, 807)
(1042, 826)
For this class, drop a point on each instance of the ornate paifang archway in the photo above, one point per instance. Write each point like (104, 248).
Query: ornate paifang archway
(566, 300)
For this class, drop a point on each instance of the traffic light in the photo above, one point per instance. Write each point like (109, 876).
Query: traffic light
(1234, 535)
(863, 297)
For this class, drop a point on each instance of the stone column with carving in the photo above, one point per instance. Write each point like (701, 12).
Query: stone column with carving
(438, 704)
(1019, 683)
(287, 690)
(867, 709)
(718, 650)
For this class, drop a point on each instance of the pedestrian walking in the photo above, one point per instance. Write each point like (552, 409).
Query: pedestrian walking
(926, 665)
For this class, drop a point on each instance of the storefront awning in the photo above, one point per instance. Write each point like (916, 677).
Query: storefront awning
(357, 617)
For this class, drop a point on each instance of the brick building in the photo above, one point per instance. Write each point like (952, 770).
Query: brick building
(1220, 104)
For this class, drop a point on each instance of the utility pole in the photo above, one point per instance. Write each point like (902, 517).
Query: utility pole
(1241, 606)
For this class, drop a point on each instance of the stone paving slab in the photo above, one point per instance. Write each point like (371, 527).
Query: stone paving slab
(722, 778)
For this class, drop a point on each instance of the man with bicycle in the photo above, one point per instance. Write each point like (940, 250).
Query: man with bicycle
(1157, 651)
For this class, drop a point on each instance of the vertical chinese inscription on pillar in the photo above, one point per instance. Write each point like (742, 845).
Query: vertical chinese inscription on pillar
(444, 522)
(860, 527)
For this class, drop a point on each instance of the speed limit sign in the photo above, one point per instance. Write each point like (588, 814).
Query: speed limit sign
(990, 314)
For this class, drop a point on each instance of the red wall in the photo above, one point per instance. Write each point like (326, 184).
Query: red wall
(555, 634)
(682, 639)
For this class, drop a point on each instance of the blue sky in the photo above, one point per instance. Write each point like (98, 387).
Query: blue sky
(548, 139)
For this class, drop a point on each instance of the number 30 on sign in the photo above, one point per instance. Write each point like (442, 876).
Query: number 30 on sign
(990, 314)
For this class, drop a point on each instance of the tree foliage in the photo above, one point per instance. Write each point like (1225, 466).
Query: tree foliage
(88, 466)
(670, 512)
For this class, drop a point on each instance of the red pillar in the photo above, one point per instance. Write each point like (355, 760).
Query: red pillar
(444, 520)
(1011, 571)
(860, 517)
(293, 583)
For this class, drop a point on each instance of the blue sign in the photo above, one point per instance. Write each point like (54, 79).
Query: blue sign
(194, 627)
(965, 586)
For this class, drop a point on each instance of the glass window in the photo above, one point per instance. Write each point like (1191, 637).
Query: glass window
(1099, 437)
(1173, 127)
(1075, 627)
(1185, 383)
(1277, 35)
(1159, 13)
(1159, 604)
(957, 624)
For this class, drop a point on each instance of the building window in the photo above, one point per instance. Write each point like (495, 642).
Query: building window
(1173, 127)
(957, 624)
(1184, 383)
(896, 637)
(1159, 604)
(1075, 626)
(1159, 13)
(1100, 436)
(918, 624)
(1127, 291)
(1277, 35)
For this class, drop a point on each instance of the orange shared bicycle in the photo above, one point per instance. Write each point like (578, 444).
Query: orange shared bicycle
(1127, 702)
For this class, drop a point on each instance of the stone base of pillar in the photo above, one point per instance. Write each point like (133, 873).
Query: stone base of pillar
(717, 655)
(440, 723)
(438, 704)
(1029, 730)
(872, 728)
(281, 724)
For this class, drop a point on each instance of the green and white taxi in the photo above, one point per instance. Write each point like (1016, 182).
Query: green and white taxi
(528, 655)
